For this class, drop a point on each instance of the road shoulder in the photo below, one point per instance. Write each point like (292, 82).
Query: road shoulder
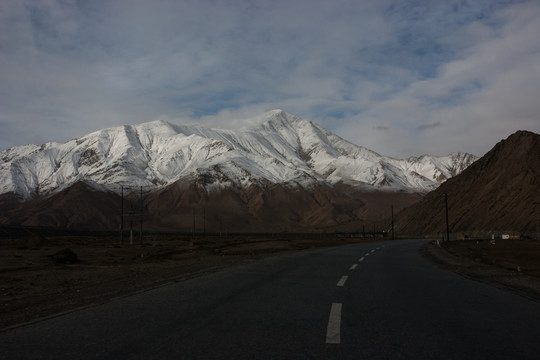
(511, 280)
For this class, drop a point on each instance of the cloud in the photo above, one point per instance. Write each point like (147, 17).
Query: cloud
(482, 94)
(467, 72)
(429, 126)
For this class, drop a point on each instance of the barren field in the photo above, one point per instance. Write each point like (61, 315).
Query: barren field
(40, 277)
(512, 264)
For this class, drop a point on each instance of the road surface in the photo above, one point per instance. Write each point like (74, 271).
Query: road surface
(364, 301)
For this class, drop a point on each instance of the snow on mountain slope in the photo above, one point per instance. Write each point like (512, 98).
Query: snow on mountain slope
(284, 149)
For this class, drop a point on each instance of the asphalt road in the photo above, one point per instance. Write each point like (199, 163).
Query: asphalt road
(363, 301)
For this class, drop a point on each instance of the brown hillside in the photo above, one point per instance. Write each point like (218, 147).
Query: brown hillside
(495, 194)
(180, 206)
(78, 207)
(273, 208)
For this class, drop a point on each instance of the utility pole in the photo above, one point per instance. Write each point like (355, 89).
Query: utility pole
(135, 213)
(393, 233)
(141, 213)
(131, 213)
(122, 215)
(193, 213)
(537, 228)
(446, 207)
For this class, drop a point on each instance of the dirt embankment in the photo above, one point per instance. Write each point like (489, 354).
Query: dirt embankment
(511, 264)
(44, 276)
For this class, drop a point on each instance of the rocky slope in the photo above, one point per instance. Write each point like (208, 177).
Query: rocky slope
(496, 194)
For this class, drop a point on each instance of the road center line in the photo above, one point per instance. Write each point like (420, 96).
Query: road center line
(353, 267)
(361, 259)
(333, 335)
(341, 281)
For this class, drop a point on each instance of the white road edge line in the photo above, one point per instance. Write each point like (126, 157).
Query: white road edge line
(353, 267)
(333, 335)
(341, 281)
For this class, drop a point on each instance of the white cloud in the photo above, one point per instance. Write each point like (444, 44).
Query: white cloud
(483, 95)
(402, 78)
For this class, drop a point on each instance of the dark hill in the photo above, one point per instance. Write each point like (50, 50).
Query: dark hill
(495, 194)
(182, 205)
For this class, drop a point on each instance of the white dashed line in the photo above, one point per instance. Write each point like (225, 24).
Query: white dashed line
(333, 331)
(341, 281)
(334, 325)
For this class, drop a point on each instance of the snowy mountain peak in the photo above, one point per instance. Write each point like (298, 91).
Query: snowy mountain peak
(279, 115)
(284, 149)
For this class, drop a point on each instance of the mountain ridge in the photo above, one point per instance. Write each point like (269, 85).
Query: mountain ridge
(283, 149)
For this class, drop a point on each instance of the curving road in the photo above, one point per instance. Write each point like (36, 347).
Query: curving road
(364, 301)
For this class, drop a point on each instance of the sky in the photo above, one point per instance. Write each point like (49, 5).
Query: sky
(402, 78)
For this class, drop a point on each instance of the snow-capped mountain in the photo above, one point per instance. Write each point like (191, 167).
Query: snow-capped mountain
(284, 149)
